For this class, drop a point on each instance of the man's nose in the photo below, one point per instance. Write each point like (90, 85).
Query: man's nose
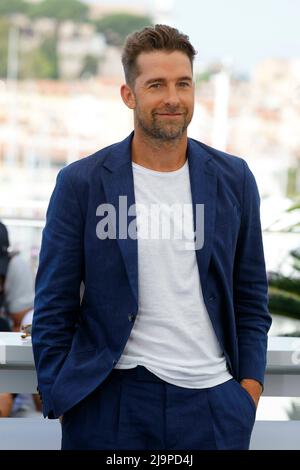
(171, 97)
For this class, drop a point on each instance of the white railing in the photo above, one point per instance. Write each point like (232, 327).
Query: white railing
(17, 375)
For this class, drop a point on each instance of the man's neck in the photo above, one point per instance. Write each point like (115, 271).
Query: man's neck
(157, 154)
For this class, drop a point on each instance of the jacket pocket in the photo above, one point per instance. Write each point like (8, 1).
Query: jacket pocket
(248, 396)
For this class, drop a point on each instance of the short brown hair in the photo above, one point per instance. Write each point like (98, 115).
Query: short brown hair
(149, 39)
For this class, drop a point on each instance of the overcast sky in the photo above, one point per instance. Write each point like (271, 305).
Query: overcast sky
(243, 30)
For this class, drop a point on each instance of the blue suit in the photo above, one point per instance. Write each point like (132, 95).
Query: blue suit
(77, 342)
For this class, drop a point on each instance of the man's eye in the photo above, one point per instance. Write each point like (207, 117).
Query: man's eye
(155, 85)
(184, 84)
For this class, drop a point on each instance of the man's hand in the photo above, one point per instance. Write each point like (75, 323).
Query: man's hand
(253, 387)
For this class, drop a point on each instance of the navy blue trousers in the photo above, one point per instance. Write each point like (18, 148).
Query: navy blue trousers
(135, 410)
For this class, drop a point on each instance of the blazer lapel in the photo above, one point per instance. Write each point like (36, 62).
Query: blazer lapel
(117, 181)
(203, 179)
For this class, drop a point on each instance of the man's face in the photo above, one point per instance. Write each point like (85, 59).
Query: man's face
(163, 94)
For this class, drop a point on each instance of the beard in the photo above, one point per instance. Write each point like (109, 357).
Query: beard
(164, 129)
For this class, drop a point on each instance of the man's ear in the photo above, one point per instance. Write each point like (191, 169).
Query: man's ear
(128, 96)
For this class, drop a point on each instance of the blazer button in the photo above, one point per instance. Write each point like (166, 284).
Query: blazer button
(212, 298)
(131, 317)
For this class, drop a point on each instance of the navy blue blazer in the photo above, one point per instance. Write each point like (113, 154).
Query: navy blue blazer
(77, 341)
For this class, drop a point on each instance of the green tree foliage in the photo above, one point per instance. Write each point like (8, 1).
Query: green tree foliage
(4, 29)
(294, 410)
(57, 9)
(284, 292)
(90, 66)
(116, 26)
(8, 7)
(282, 301)
(60, 10)
(41, 62)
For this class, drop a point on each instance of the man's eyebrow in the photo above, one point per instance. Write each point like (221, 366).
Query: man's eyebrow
(186, 78)
(162, 80)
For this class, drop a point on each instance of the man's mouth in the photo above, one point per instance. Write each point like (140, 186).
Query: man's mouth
(170, 114)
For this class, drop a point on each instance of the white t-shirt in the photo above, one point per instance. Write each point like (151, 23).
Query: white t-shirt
(172, 335)
(19, 285)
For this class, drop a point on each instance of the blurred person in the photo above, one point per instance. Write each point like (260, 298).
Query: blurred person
(6, 399)
(16, 283)
(166, 349)
(16, 303)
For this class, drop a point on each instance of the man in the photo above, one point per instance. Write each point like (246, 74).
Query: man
(166, 349)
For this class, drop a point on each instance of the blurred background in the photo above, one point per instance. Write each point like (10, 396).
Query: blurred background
(60, 75)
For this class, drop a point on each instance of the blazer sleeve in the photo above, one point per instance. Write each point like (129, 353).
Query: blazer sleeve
(57, 286)
(251, 286)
